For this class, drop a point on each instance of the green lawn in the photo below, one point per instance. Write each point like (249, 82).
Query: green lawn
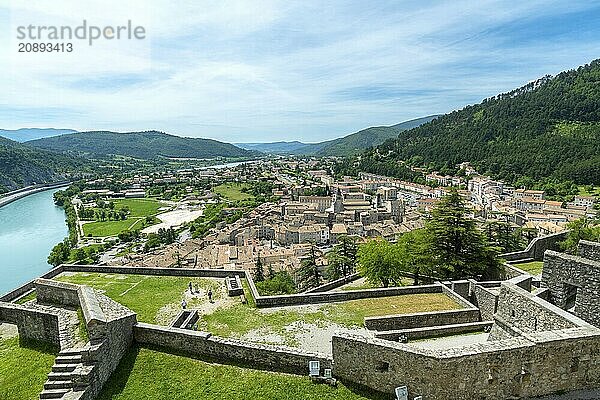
(533, 267)
(110, 228)
(24, 369)
(232, 191)
(150, 296)
(149, 374)
(146, 295)
(139, 209)
(240, 319)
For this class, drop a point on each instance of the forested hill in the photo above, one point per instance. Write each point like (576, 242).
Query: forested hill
(146, 145)
(549, 128)
(351, 144)
(368, 137)
(23, 166)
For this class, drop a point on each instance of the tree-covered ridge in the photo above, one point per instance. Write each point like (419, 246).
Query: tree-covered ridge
(546, 129)
(348, 145)
(146, 145)
(23, 166)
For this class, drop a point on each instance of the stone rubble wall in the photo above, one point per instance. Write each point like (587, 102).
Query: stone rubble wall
(558, 352)
(486, 299)
(54, 292)
(521, 313)
(584, 274)
(425, 319)
(511, 368)
(589, 250)
(335, 284)
(330, 297)
(109, 326)
(434, 331)
(537, 247)
(186, 272)
(273, 358)
(32, 324)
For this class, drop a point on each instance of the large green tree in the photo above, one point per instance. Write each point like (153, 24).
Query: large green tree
(458, 249)
(309, 275)
(342, 258)
(582, 228)
(378, 261)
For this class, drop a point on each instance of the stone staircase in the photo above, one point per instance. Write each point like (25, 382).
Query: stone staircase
(69, 376)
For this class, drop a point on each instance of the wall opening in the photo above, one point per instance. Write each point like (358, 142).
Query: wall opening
(570, 296)
(382, 366)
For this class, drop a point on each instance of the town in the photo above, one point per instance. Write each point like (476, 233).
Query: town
(300, 205)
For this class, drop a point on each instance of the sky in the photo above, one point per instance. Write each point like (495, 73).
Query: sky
(260, 71)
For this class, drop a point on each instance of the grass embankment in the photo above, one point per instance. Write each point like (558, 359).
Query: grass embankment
(149, 374)
(149, 296)
(233, 191)
(533, 267)
(139, 209)
(24, 368)
(146, 295)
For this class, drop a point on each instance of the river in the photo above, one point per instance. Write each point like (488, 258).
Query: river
(29, 228)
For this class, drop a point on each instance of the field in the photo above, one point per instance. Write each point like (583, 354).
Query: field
(533, 267)
(232, 191)
(139, 209)
(149, 374)
(23, 369)
(149, 296)
(157, 300)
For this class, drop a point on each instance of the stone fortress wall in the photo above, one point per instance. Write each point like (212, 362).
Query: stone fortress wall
(573, 282)
(526, 362)
(535, 347)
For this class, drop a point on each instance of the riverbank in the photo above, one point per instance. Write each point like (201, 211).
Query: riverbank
(29, 228)
(9, 197)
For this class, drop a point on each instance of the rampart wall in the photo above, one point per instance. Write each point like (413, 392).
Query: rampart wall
(276, 358)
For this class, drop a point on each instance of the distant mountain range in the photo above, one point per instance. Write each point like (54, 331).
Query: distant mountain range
(146, 145)
(27, 134)
(548, 129)
(21, 165)
(344, 146)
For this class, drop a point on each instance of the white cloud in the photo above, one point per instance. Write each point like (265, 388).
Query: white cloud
(268, 70)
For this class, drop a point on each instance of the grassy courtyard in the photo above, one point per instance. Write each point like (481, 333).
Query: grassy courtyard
(232, 191)
(24, 368)
(139, 209)
(533, 267)
(149, 374)
(157, 300)
(154, 298)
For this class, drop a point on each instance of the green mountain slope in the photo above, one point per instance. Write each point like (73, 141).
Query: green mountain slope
(549, 128)
(369, 137)
(344, 146)
(146, 145)
(22, 166)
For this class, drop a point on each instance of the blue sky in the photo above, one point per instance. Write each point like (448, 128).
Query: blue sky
(242, 71)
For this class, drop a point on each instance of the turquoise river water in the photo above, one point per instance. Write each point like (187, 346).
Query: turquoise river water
(29, 228)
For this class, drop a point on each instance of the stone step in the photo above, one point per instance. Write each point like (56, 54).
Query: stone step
(54, 393)
(74, 359)
(58, 384)
(70, 352)
(60, 376)
(64, 367)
